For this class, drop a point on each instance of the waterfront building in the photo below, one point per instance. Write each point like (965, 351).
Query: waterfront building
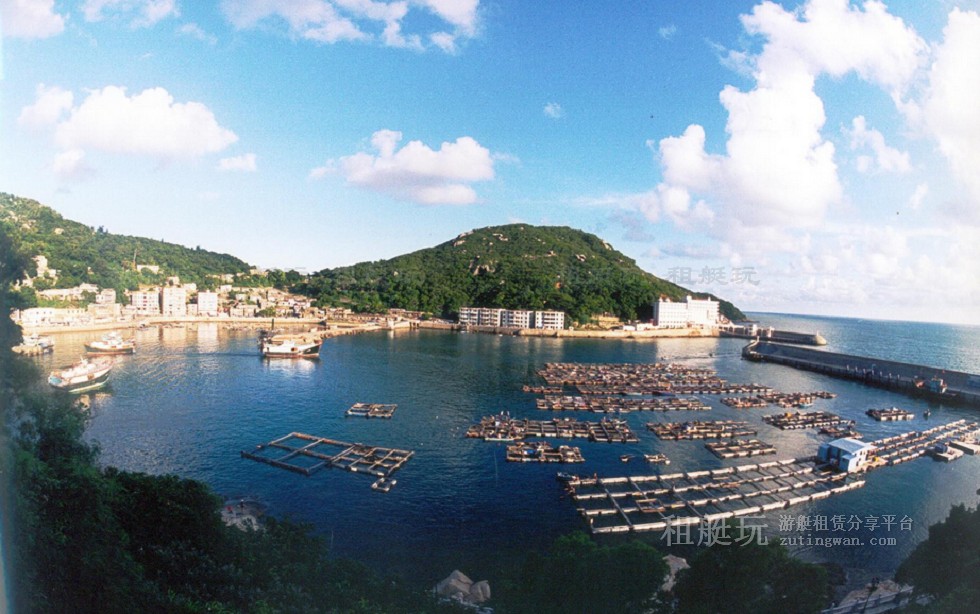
(516, 318)
(207, 303)
(173, 301)
(146, 302)
(244, 311)
(845, 454)
(105, 311)
(490, 317)
(549, 319)
(692, 312)
(106, 296)
(469, 316)
(36, 317)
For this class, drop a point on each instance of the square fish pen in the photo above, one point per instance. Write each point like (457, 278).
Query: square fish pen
(307, 454)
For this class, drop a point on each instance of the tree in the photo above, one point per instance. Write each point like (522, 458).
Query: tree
(752, 579)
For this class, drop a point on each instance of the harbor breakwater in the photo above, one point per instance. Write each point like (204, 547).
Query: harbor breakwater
(934, 383)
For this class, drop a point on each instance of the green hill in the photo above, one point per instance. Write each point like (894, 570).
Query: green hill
(517, 266)
(82, 254)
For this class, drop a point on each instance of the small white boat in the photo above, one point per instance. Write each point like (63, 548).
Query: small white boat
(278, 347)
(111, 343)
(81, 376)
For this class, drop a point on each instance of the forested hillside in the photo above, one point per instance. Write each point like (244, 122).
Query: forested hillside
(82, 254)
(517, 266)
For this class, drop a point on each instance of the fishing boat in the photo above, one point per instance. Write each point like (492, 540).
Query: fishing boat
(659, 459)
(290, 347)
(111, 343)
(83, 375)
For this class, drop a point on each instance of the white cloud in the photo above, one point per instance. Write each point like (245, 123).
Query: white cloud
(416, 172)
(145, 13)
(554, 110)
(244, 163)
(354, 20)
(30, 19)
(667, 32)
(71, 165)
(108, 120)
(51, 104)
(886, 159)
(149, 123)
(949, 109)
(195, 31)
(917, 198)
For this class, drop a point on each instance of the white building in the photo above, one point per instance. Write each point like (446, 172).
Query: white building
(516, 318)
(690, 313)
(549, 319)
(105, 297)
(173, 301)
(145, 302)
(207, 303)
(846, 454)
(490, 317)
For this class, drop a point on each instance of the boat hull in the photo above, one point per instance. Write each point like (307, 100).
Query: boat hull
(106, 351)
(78, 385)
(287, 350)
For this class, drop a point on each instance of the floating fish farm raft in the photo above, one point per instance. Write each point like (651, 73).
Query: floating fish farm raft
(740, 448)
(807, 420)
(371, 410)
(841, 431)
(505, 428)
(786, 400)
(620, 405)
(640, 379)
(652, 503)
(890, 415)
(709, 429)
(307, 454)
(542, 452)
(904, 447)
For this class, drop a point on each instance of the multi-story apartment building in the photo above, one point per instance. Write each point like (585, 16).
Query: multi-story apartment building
(692, 312)
(145, 302)
(549, 319)
(173, 301)
(207, 303)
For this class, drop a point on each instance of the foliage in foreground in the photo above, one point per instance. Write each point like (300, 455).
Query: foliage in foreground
(751, 579)
(947, 565)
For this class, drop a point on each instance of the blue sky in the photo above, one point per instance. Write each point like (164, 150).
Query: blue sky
(810, 157)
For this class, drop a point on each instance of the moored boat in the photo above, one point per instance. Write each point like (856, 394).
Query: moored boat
(111, 343)
(81, 376)
(35, 344)
(290, 347)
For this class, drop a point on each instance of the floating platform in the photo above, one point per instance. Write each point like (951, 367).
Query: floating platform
(740, 448)
(709, 429)
(807, 420)
(371, 410)
(841, 431)
(621, 405)
(654, 502)
(890, 415)
(307, 454)
(505, 428)
(542, 452)
(782, 399)
(640, 379)
(908, 446)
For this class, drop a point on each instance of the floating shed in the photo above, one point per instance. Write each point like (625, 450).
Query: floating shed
(846, 454)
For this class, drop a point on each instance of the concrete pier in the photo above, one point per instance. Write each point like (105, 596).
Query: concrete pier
(956, 387)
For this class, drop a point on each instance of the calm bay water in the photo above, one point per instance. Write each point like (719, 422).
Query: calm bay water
(192, 398)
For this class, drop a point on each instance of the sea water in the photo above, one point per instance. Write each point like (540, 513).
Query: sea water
(193, 397)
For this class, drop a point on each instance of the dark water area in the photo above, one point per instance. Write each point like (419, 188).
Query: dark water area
(192, 398)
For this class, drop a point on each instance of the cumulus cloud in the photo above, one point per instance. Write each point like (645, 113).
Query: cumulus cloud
(245, 163)
(332, 21)
(195, 31)
(109, 120)
(416, 172)
(144, 13)
(71, 165)
(949, 107)
(884, 158)
(30, 19)
(50, 105)
(554, 110)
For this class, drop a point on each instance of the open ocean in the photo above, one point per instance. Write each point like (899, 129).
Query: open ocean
(191, 398)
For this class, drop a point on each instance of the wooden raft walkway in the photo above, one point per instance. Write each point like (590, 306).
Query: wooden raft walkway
(600, 404)
(697, 429)
(305, 454)
(652, 503)
(908, 446)
(806, 420)
(505, 428)
(740, 448)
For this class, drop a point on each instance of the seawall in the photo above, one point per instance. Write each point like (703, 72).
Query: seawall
(912, 379)
(574, 334)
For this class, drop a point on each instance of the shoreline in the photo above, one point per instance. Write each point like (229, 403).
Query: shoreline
(340, 327)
